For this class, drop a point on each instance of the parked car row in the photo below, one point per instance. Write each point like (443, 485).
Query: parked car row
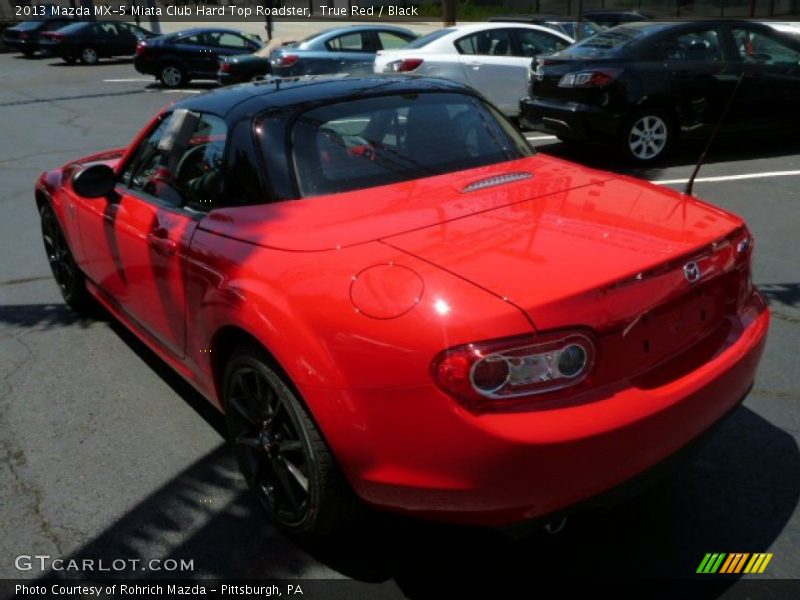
(639, 85)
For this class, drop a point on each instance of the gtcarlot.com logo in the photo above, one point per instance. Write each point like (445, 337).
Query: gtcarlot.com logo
(44, 562)
(737, 562)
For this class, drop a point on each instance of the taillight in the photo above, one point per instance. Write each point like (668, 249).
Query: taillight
(589, 79)
(403, 66)
(225, 67)
(743, 244)
(141, 48)
(489, 375)
(284, 60)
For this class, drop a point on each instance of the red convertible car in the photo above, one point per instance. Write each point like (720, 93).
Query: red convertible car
(395, 301)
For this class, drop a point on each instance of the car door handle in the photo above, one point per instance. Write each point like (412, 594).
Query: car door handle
(159, 242)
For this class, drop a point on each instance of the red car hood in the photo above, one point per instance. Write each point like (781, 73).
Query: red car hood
(598, 255)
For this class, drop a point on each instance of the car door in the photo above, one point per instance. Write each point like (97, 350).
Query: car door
(136, 244)
(195, 52)
(490, 66)
(128, 38)
(699, 76)
(109, 41)
(352, 52)
(770, 89)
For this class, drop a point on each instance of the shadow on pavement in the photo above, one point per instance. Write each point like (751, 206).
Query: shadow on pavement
(787, 294)
(103, 62)
(736, 495)
(47, 316)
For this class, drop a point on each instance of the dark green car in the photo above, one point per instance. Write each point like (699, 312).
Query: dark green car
(340, 50)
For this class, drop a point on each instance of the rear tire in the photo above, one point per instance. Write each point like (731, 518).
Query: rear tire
(69, 278)
(70, 60)
(89, 55)
(647, 136)
(172, 76)
(28, 53)
(281, 451)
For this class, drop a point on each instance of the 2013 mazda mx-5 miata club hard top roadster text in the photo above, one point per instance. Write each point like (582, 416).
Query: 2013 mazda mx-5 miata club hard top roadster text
(395, 301)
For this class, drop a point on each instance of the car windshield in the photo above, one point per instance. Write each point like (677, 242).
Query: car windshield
(378, 141)
(427, 39)
(608, 42)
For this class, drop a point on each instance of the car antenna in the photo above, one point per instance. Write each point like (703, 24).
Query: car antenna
(702, 159)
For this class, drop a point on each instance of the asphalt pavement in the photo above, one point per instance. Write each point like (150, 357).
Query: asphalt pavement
(107, 453)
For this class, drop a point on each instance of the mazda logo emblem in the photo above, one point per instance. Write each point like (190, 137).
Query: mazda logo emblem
(692, 272)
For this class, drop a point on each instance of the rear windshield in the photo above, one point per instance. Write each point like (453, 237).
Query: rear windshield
(609, 42)
(72, 28)
(378, 141)
(28, 25)
(427, 39)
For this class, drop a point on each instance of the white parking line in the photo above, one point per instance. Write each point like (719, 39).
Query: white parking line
(541, 137)
(731, 177)
(182, 91)
(129, 80)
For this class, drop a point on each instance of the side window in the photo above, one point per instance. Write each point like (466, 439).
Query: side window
(390, 40)
(109, 29)
(229, 40)
(350, 42)
(180, 162)
(532, 42)
(191, 39)
(702, 45)
(494, 42)
(758, 48)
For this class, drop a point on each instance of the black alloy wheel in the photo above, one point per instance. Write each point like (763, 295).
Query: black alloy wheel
(280, 451)
(68, 276)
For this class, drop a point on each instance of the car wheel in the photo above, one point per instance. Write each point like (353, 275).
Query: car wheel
(647, 136)
(172, 76)
(70, 60)
(280, 450)
(28, 53)
(66, 272)
(89, 56)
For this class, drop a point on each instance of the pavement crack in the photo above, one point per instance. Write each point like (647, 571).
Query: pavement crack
(68, 98)
(15, 456)
(21, 280)
(793, 319)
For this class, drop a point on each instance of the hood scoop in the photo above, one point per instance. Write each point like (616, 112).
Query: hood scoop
(496, 180)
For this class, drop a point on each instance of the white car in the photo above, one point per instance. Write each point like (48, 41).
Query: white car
(493, 58)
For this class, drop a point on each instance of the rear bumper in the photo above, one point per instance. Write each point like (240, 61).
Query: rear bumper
(60, 49)
(21, 45)
(228, 78)
(146, 66)
(414, 450)
(569, 120)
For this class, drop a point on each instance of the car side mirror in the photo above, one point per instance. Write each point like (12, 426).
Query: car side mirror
(94, 181)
